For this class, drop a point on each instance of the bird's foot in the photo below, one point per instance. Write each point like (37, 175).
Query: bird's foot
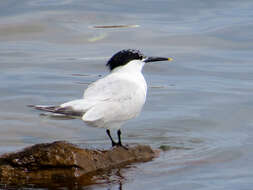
(119, 144)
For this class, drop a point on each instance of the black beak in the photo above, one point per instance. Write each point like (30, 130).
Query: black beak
(154, 59)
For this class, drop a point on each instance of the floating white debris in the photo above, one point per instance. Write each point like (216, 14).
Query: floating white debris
(117, 26)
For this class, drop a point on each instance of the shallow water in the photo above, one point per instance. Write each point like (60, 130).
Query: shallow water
(199, 106)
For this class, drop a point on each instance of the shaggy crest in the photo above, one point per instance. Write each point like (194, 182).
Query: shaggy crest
(123, 57)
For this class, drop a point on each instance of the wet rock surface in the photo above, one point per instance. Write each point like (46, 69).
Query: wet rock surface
(60, 161)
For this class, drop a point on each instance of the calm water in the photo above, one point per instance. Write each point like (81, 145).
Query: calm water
(201, 104)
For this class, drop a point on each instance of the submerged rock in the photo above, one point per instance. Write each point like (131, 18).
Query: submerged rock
(45, 163)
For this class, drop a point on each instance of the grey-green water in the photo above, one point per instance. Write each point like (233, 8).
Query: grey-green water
(201, 103)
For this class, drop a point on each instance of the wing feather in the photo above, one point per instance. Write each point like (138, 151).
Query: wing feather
(112, 87)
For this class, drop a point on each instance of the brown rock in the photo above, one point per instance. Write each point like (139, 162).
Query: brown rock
(45, 163)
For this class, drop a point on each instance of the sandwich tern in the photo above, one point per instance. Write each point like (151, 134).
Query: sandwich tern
(110, 101)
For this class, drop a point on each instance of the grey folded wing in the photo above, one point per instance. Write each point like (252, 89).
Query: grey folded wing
(68, 111)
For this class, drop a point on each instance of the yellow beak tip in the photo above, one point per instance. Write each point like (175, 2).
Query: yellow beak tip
(170, 59)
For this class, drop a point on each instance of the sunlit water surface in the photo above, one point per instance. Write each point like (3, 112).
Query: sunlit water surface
(199, 106)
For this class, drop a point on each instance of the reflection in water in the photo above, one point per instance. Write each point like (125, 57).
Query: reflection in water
(121, 178)
(113, 178)
(110, 179)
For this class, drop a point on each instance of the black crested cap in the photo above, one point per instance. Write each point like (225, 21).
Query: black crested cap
(123, 57)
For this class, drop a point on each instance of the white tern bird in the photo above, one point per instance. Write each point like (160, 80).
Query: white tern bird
(110, 101)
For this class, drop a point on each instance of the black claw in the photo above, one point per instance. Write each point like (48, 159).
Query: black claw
(120, 145)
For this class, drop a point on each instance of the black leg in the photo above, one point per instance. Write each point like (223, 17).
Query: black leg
(119, 137)
(109, 134)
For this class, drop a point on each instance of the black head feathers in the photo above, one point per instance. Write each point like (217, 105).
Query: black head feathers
(123, 57)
